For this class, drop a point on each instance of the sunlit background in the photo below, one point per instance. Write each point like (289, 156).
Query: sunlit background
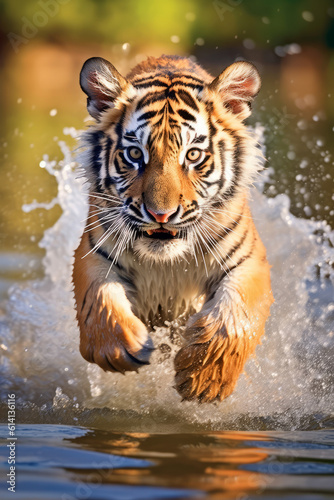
(44, 43)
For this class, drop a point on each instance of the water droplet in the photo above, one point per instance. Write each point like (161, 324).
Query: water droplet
(307, 16)
(249, 44)
(200, 41)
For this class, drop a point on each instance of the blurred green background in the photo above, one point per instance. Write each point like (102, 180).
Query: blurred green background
(44, 43)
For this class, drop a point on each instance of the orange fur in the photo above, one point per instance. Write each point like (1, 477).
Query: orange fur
(218, 346)
(110, 335)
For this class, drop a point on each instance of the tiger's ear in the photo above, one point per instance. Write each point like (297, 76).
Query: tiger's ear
(237, 85)
(102, 83)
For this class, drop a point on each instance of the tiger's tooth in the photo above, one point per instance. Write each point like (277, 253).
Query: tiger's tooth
(173, 233)
(149, 232)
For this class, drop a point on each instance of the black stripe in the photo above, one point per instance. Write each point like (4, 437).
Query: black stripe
(191, 210)
(134, 219)
(95, 136)
(237, 245)
(128, 163)
(117, 165)
(175, 123)
(155, 83)
(186, 84)
(119, 127)
(94, 139)
(203, 164)
(108, 180)
(167, 74)
(188, 99)
(186, 115)
(108, 145)
(191, 219)
(147, 78)
(221, 149)
(191, 77)
(172, 95)
(234, 223)
(122, 273)
(237, 158)
(136, 210)
(200, 193)
(213, 282)
(160, 121)
(122, 189)
(170, 109)
(199, 139)
(143, 79)
(150, 98)
(240, 261)
(224, 231)
(209, 184)
(147, 115)
(85, 297)
(186, 124)
(212, 128)
(175, 139)
(194, 206)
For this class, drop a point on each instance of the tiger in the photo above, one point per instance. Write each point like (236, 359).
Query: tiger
(169, 234)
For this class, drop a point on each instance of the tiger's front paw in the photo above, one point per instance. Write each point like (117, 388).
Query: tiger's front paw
(118, 345)
(208, 371)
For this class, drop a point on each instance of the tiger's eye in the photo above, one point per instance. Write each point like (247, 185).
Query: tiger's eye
(135, 153)
(193, 154)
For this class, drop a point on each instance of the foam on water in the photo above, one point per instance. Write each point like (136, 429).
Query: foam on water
(290, 379)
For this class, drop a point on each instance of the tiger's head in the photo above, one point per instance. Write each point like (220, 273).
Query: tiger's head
(168, 147)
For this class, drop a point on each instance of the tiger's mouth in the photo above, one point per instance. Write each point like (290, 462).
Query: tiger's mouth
(160, 234)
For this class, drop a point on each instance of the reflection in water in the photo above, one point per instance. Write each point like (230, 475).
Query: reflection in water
(86, 463)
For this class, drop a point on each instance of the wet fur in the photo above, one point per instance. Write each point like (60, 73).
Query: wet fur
(219, 284)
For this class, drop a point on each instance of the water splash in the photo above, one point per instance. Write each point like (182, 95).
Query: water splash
(288, 383)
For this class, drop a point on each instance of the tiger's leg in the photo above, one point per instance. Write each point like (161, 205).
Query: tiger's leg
(222, 336)
(110, 334)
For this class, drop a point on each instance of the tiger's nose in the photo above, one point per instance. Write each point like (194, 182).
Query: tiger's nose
(162, 217)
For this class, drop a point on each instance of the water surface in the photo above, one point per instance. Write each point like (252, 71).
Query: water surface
(66, 462)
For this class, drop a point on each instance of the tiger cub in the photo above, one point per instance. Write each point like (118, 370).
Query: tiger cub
(169, 232)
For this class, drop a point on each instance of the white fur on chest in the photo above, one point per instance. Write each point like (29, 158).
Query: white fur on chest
(167, 290)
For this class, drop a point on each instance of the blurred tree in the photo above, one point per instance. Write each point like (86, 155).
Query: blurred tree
(147, 22)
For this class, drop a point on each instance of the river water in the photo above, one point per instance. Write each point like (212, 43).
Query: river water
(85, 434)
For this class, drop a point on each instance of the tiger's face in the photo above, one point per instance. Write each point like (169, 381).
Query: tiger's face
(167, 149)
